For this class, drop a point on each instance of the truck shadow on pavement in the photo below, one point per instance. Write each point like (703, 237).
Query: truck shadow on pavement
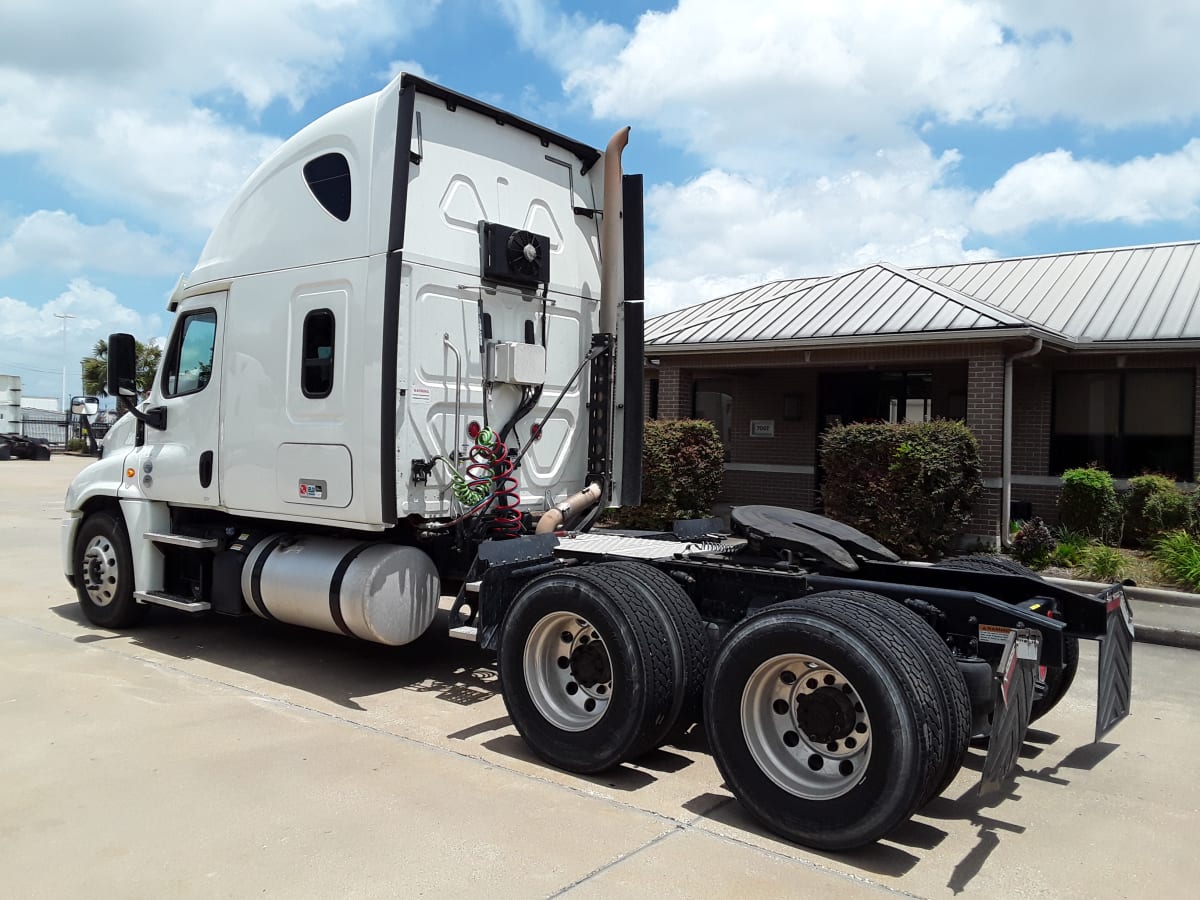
(330, 666)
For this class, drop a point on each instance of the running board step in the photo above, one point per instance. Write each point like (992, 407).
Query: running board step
(183, 540)
(465, 633)
(174, 602)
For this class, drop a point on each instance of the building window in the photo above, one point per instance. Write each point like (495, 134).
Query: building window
(316, 365)
(328, 178)
(652, 408)
(190, 356)
(1128, 422)
(717, 407)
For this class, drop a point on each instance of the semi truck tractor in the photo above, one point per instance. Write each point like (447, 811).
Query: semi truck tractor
(408, 366)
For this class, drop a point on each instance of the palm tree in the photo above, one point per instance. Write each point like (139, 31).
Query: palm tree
(95, 367)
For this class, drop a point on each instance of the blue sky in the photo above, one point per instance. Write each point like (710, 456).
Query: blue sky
(778, 138)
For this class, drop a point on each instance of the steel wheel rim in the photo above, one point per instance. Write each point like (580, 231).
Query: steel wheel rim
(568, 671)
(101, 572)
(785, 699)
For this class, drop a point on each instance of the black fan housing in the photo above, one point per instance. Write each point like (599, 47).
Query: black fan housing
(513, 255)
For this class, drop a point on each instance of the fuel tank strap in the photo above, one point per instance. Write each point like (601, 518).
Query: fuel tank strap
(256, 576)
(335, 588)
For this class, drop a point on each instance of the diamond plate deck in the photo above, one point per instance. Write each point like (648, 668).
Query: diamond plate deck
(600, 545)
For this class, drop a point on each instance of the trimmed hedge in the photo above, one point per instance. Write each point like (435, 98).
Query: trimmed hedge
(1088, 503)
(682, 467)
(911, 487)
(1152, 505)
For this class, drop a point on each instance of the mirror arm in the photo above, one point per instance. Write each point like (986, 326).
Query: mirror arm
(156, 418)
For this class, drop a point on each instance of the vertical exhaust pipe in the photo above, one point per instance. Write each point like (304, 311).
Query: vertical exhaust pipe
(611, 233)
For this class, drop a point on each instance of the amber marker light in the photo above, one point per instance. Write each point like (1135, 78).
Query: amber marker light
(129, 473)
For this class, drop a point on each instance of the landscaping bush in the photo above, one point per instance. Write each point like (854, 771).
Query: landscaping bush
(682, 467)
(1153, 505)
(1032, 543)
(1068, 551)
(1178, 555)
(911, 487)
(1193, 500)
(1100, 563)
(1088, 503)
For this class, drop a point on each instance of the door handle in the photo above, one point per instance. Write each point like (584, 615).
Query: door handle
(206, 459)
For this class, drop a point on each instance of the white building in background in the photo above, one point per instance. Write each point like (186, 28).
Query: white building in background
(45, 404)
(10, 404)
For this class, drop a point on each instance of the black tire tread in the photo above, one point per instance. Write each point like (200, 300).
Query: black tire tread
(124, 612)
(956, 701)
(685, 619)
(893, 644)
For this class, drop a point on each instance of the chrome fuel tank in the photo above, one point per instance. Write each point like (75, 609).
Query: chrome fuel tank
(374, 591)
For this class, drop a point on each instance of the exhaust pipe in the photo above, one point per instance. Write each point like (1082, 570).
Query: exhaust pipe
(611, 234)
(554, 519)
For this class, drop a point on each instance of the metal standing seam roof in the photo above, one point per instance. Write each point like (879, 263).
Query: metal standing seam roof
(1149, 293)
(881, 299)
(1127, 294)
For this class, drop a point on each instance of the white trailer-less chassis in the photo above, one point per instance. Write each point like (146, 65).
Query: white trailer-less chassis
(409, 363)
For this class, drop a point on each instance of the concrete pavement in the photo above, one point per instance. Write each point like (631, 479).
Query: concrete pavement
(219, 757)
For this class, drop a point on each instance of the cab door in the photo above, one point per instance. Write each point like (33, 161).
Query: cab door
(178, 464)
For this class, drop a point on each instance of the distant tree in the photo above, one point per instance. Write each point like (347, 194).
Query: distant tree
(95, 368)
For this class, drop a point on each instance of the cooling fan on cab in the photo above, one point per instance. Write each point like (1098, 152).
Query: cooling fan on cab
(513, 255)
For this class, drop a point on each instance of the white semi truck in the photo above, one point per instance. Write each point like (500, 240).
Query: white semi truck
(408, 365)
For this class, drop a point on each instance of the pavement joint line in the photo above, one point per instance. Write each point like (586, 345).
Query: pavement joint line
(291, 704)
(692, 823)
(617, 860)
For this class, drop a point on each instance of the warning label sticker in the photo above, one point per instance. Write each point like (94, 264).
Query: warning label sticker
(994, 634)
(420, 395)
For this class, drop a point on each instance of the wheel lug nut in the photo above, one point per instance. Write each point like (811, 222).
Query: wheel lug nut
(602, 689)
(861, 727)
(851, 743)
(832, 747)
(829, 679)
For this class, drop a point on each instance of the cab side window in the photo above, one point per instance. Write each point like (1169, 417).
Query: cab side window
(316, 366)
(190, 356)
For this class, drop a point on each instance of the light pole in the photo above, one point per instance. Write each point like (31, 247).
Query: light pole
(64, 317)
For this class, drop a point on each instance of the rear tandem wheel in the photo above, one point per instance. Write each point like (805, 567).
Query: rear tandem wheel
(825, 722)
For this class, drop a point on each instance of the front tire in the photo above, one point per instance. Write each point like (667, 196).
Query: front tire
(823, 723)
(104, 573)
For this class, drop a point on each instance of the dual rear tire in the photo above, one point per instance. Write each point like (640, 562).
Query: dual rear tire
(832, 718)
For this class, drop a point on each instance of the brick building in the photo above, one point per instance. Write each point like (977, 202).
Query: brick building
(1100, 351)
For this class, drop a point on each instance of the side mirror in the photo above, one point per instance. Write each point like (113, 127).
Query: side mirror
(122, 365)
(85, 406)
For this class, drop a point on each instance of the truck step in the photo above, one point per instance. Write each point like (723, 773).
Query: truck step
(183, 540)
(472, 587)
(465, 633)
(161, 598)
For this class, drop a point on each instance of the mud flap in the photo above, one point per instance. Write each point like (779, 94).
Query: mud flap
(1115, 686)
(1015, 680)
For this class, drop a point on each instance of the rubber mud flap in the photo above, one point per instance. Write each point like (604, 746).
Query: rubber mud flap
(1017, 674)
(1115, 686)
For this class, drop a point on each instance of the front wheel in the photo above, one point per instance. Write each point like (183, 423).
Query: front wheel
(104, 573)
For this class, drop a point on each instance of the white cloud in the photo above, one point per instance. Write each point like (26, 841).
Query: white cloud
(810, 119)
(32, 336)
(55, 240)
(104, 98)
(1057, 187)
(724, 231)
(411, 66)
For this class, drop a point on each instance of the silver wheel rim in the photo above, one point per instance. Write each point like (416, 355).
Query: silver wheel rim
(568, 671)
(101, 574)
(806, 726)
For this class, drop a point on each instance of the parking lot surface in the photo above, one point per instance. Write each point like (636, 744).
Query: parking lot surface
(219, 757)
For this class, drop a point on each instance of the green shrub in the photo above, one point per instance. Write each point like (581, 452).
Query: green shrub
(1100, 563)
(1069, 549)
(682, 467)
(910, 487)
(1193, 500)
(1032, 543)
(74, 445)
(1178, 555)
(1153, 504)
(1088, 503)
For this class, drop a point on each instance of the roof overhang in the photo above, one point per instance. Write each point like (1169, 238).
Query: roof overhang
(967, 335)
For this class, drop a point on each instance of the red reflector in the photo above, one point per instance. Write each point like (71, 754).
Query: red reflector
(535, 432)
(473, 429)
